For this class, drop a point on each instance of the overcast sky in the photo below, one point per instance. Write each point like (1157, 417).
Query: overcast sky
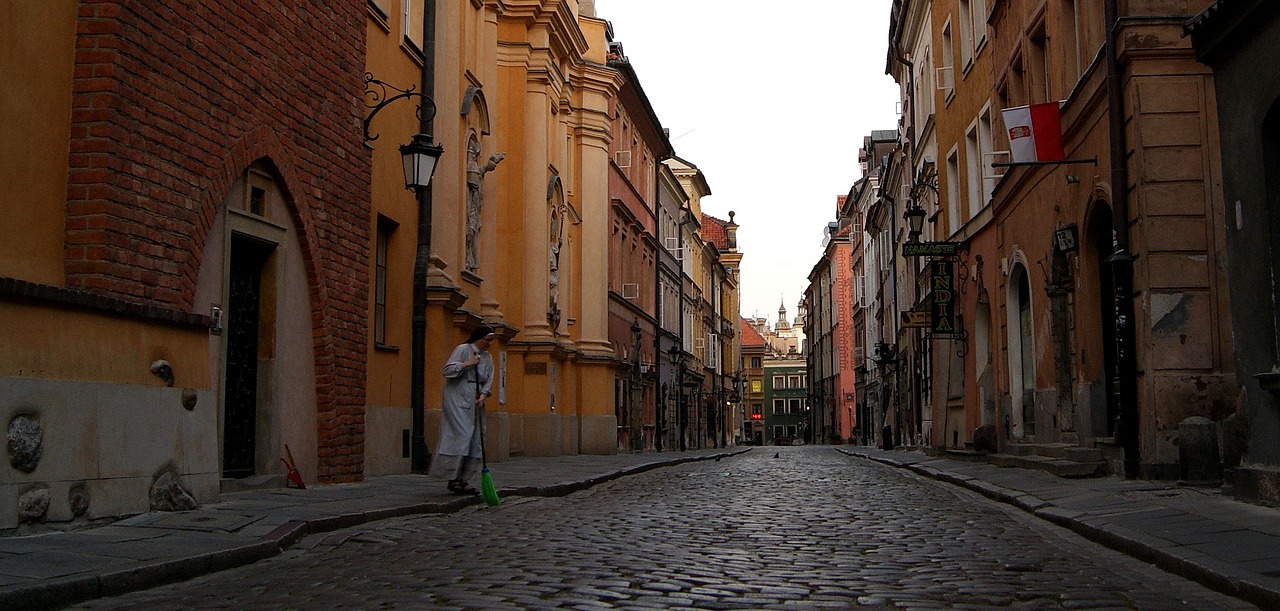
(771, 101)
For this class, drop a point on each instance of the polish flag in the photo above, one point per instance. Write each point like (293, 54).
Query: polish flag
(1035, 133)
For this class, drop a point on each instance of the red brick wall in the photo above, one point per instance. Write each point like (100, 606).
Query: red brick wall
(172, 100)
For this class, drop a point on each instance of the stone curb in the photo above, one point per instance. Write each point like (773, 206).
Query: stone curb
(1135, 544)
(67, 591)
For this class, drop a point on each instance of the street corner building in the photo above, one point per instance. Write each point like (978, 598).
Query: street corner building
(183, 266)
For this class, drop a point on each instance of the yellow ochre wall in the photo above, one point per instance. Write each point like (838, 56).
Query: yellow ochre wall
(37, 64)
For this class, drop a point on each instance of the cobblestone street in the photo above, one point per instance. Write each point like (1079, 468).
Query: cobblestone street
(809, 527)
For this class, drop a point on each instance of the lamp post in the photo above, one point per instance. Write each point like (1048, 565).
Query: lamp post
(886, 357)
(677, 359)
(636, 423)
(419, 158)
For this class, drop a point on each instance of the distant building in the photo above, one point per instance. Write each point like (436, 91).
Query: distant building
(786, 401)
(754, 352)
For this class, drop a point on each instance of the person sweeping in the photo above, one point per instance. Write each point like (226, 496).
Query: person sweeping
(468, 382)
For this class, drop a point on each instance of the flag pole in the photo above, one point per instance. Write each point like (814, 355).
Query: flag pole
(1020, 164)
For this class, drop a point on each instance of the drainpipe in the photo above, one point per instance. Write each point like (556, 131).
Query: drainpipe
(908, 166)
(1125, 392)
(419, 456)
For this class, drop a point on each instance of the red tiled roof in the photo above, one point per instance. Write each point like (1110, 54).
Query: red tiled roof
(750, 337)
(713, 231)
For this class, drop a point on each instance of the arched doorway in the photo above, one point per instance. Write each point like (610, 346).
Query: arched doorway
(1022, 374)
(253, 269)
(1100, 370)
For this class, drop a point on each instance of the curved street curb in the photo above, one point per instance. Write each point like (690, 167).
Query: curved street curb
(60, 592)
(1117, 538)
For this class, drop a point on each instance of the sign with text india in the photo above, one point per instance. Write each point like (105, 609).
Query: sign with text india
(942, 318)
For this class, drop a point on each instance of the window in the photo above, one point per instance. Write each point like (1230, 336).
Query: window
(986, 147)
(979, 24)
(779, 381)
(953, 191)
(756, 386)
(757, 411)
(779, 406)
(973, 170)
(946, 73)
(380, 282)
(966, 34)
(793, 382)
(380, 8)
(755, 362)
(413, 17)
(1037, 67)
(793, 406)
(1071, 40)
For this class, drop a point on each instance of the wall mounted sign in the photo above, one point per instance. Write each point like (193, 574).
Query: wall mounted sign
(942, 318)
(1066, 238)
(933, 249)
(912, 319)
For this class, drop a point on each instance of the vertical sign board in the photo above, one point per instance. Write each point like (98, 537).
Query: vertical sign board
(942, 319)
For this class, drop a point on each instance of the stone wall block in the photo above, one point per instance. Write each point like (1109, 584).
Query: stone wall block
(1198, 455)
(33, 504)
(26, 442)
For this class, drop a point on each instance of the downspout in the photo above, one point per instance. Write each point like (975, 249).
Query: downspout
(893, 236)
(419, 456)
(1125, 392)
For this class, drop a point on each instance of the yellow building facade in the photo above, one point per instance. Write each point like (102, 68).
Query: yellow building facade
(521, 92)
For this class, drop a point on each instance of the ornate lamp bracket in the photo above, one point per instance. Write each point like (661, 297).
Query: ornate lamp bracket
(380, 94)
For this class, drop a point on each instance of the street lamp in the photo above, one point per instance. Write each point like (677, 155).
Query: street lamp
(636, 422)
(915, 221)
(885, 356)
(419, 158)
(677, 359)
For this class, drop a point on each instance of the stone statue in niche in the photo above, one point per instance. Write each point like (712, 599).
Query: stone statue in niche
(475, 198)
(553, 262)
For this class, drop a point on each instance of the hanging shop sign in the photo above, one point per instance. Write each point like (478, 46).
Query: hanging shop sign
(942, 316)
(932, 249)
(912, 319)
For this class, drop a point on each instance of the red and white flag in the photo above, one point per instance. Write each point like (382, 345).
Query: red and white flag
(1035, 133)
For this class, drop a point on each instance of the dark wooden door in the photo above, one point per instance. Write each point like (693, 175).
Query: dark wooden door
(241, 406)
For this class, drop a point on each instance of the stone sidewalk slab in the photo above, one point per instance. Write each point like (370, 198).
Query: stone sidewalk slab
(60, 568)
(1196, 533)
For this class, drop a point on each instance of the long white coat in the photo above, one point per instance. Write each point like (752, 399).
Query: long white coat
(458, 433)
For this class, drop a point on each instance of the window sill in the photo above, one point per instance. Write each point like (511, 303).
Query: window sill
(385, 348)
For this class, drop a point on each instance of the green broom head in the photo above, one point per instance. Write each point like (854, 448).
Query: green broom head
(487, 491)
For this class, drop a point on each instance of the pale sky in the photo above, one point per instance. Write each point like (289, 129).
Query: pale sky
(771, 101)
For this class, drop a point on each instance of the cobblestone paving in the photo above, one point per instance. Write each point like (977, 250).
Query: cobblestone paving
(809, 528)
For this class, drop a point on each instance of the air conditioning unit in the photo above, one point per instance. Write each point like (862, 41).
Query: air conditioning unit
(623, 158)
(630, 290)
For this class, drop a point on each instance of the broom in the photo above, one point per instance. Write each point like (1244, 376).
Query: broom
(487, 490)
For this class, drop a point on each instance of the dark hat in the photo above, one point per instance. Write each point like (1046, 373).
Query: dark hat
(480, 333)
